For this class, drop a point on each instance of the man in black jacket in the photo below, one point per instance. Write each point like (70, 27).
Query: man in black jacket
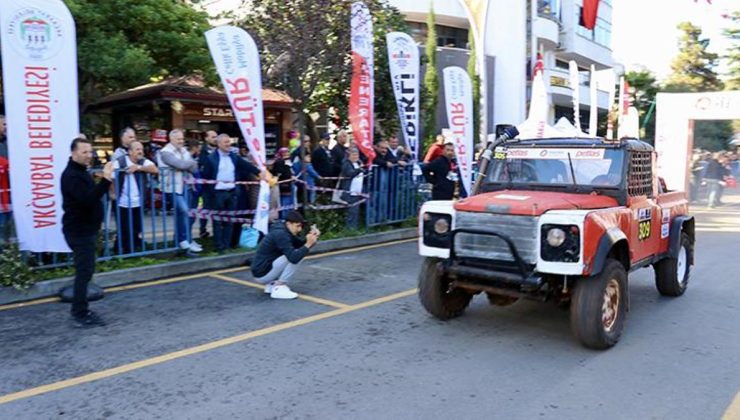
(443, 174)
(339, 151)
(209, 147)
(225, 166)
(714, 177)
(83, 213)
(279, 254)
(322, 159)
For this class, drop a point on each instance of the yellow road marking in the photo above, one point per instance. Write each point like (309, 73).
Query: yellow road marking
(307, 298)
(29, 303)
(198, 275)
(360, 248)
(733, 411)
(126, 287)
(196, 349)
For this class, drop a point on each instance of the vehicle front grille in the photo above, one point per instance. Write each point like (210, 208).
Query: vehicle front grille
(522, 230)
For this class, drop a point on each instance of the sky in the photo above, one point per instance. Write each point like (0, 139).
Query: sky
(644, 32)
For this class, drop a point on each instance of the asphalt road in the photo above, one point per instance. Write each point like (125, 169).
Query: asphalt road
(359, 345)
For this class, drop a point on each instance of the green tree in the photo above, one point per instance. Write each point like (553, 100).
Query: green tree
(733, 53)
(475, 81)
(305, 50)
(644, 88)
(430, 91)
(733, 58)
(125, 43)
(712, 135)
(693, 71)
(693, 67)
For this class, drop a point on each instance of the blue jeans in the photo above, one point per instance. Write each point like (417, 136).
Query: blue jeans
(285, 201)
(182, 220)
(715, 192)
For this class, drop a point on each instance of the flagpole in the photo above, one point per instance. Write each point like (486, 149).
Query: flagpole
(594, 113)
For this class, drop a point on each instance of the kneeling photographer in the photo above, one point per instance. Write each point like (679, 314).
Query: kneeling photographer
(279, 254)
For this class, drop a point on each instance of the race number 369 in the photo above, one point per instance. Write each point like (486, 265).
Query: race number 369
(643, 230)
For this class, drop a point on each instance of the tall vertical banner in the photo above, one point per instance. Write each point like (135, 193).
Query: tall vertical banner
(39, 56)
(361, 100)
(459, 106)
(403, 62)
(238, 64)
(536, 126)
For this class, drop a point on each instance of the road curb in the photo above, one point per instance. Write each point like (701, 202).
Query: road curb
(196, 265)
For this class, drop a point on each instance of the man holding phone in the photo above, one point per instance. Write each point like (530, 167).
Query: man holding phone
(279, 254)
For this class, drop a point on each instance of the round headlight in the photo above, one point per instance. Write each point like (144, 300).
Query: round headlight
(555, 237)
(441, 226)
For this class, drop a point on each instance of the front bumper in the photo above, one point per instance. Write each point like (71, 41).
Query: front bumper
(516, 276)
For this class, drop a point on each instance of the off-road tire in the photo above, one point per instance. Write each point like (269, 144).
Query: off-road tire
(668, 270)
(599, 307)
(500, 300)
(435, 295)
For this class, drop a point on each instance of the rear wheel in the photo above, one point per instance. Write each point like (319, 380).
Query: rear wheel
(599, 307)
(672, 274)
(435, 293)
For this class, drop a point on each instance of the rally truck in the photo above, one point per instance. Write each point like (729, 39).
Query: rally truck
(562, 220)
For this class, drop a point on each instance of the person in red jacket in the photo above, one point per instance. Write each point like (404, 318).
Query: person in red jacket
(436, 150)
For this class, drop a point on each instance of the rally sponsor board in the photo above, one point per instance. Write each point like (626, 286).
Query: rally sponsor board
(238, 64)
(547, 153)
(39, 57)
(459, 106)
(403, 61)
(361, 105)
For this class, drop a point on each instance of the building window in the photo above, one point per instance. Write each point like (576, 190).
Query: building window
(601, 34)
(447, 36)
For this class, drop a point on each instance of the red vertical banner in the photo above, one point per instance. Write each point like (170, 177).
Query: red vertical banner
(539, 66)
(361, 95)
(590, 11)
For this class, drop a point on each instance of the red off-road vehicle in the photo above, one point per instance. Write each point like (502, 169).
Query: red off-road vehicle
(563, 220)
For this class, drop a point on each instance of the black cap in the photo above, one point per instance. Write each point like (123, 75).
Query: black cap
(295, 217)
(325, 136)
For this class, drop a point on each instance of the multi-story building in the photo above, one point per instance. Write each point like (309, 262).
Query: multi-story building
(510, 34)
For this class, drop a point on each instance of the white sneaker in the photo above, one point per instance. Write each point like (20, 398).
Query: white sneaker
(184, 245)
(282, 291)
(195, 247)
(269, 286)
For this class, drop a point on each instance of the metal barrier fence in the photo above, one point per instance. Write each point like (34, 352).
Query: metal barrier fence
(147, 214)
(394, 195)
